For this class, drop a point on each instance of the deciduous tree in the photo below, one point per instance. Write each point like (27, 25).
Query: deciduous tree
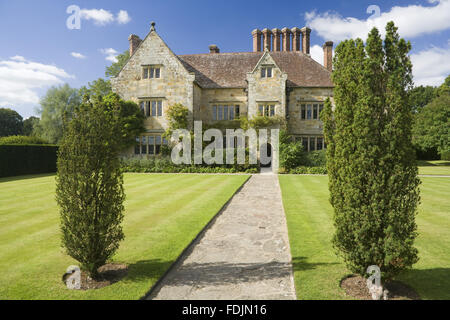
(58, 103)
(29, 125)
(10, 123)
(114, 69)
(432, 126)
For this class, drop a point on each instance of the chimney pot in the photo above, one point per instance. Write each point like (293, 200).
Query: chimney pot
(267, 34)
(256, 40)
(306, 36)
(276, 34)
(214, 49)
(286, 39)
(295, 39)
(135, 41)
(328, 55)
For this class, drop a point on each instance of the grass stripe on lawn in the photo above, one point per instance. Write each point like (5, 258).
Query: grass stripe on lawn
(318, 271)
(163, 213)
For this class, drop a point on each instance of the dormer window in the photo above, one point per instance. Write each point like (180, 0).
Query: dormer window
(266, 72)
(151, 72)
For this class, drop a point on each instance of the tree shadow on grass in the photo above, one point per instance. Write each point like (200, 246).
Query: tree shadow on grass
(220, 273)
(147, 269)
(425, 163)
(301, 264)
(26, 177)
(223, 273)
(433, 284)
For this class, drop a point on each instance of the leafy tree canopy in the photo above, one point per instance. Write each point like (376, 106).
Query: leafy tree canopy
(130, 119)
(419, 97)
(99, 87)
(114, 69)
(432, 126)
(58, 103)
(29, 125)
(11, 123)
(444, 88)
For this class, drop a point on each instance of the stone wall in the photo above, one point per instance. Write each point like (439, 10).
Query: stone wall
(210, 97)
(266, 90)
(176, 85)
(298, 96)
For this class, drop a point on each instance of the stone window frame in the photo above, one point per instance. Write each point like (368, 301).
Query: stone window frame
(308, 139)
(267, 109)
(152, 107)
(151, 71)
(267, 71)
(233, 111)
(316, 109)
(151, 143)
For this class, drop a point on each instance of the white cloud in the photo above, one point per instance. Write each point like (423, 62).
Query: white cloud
(431, 67)
(412, 21)
(18, 58)
(77, 55)
(317, 53)
(110, 54)
(21, 79)
(123, 17)
(102, 17)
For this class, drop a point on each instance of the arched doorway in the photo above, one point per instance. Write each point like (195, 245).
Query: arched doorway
(265, 155)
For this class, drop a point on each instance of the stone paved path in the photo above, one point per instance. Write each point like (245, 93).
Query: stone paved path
(244, 255)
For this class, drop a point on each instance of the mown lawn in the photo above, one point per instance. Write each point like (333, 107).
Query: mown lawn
(317, 270)
(440, 167)
(163, 214)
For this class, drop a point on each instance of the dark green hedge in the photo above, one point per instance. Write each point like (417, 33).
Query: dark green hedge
(165, 165)
(16, 160)
(429, 154)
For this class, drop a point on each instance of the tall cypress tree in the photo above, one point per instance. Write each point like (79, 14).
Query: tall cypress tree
(371, 162)
(89, 183)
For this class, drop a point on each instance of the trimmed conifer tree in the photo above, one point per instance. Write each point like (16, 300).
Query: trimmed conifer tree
(371, 161)
(90, 184)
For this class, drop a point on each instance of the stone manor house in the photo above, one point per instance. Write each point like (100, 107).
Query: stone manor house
(279, 78)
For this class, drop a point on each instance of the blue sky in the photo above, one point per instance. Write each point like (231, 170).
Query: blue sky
(38, 50)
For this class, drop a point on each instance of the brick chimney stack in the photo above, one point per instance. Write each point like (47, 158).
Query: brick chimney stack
(135, 41)
(306, 36)
(286, 39)
(276, 35)
(256, 40)
(328, 55)
(271, 39)
(214, 49)
(295, 39)
(267, 35)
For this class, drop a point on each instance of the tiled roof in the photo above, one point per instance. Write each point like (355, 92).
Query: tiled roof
(229, 70)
